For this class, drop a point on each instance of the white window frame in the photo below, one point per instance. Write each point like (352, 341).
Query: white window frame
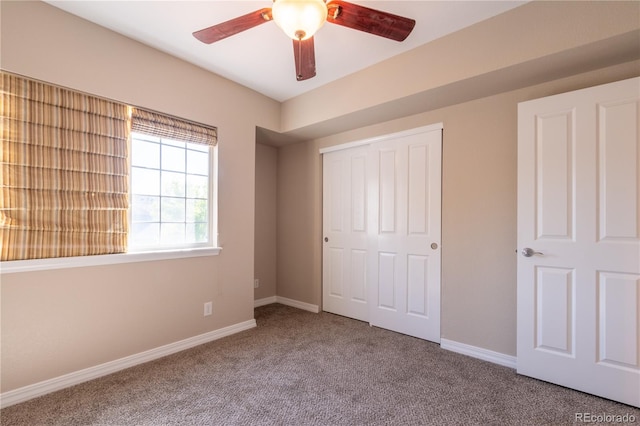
(211, 205)
(31, 265)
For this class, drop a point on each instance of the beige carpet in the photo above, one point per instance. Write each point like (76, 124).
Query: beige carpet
(299, 368)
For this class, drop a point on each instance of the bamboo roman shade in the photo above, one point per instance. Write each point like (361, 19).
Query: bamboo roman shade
(64, 181)
(163, 126)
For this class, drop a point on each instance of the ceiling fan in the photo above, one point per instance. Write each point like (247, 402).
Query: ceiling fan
(300, 19)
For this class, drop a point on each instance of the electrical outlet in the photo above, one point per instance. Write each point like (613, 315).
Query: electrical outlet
(208, 309)
(256, 283)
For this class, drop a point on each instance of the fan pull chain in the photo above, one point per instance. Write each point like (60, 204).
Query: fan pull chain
(299, 65)
(299, 34)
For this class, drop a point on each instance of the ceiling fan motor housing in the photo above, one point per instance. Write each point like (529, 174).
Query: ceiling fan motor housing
(299, 19)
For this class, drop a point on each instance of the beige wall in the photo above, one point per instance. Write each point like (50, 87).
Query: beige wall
(60, 321)
(265, 221)
(478, 210)
(299, 208)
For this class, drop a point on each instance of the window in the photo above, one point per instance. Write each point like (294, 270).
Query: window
(84, 176)
(170, 193)
(172, 186)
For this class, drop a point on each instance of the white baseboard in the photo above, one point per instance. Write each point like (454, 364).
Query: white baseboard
(480, 353)
(38, 389)
(265, 301)
(289, 302)
(300, 305)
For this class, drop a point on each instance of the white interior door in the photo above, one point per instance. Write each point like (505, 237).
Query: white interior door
(344, 267)
(578, 208)
(405, 210)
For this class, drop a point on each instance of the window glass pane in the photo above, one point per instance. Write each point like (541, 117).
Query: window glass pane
(172, 233)
(197, 210)
(197, 186)
(145, 208)
(171, 142)
(173, 158)
(145, 234)
(143, 137)
(172, 209)
(145, 154)
(198, 147)
(173, 184)
(170, 186)
(197, 232)
(198, 162)
(145, 181)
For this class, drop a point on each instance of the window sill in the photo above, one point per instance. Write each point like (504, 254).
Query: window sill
(16, 266)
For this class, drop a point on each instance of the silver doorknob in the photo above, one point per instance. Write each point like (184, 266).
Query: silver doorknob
(528, 252)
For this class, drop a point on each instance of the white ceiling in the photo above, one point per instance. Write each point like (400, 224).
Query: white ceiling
(262, 58)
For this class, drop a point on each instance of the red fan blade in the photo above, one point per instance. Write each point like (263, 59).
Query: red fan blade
(371, 21)
(233, 26)
(304, 53)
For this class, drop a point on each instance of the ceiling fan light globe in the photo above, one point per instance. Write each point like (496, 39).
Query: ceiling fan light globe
(299, 19)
